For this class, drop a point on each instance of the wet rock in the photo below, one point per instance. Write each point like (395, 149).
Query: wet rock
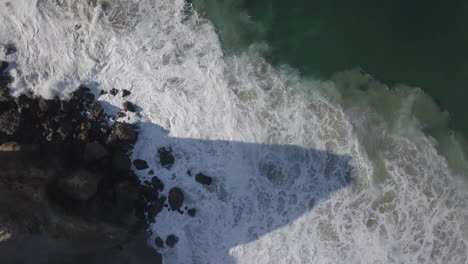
(9, 122)
(129, 107)
(125, 93)
(121, 115)
(176, 198)
(79, 185)
(5, 79)
(113, 91)
(166, 159)
(171, 240)
(4, 95)
(154, 209)
(159, 242)
(96, 110)
(140, 164)
(80, 93)
(102, 92)
(124, 132)
(125, 196)
(120, 161)
(23, 102)
(203, 179)
(43, 105)
(192, 212)
(3, 66)
(151, 172)
(65, 129)
(94, 151)
(157, 184)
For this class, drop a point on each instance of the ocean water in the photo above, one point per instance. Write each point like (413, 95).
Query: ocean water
(307, 169)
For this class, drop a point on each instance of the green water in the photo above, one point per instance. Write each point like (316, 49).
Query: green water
(419, 43)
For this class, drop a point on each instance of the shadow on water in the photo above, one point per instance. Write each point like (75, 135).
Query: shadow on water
(256, 189)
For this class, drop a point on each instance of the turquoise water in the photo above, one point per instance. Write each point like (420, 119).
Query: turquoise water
(419, 43)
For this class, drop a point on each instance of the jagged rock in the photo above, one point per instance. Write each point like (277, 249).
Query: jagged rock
(94, 151)
(203, 179)
(80, 185)
(192, 212)
(5, 79)
(9, 122)
(10, 146)
(166, 159)
(172, 240)
(121, 114)
(124, 132)
(157, 184)
(96, 110)
(128, 107)
(114, 91)
(80, 93)
(140, 164)
(159, 242)
(102, 92)
(120, 161)
(176, 198)
(154, 209)
(125, 93)
(3, 66)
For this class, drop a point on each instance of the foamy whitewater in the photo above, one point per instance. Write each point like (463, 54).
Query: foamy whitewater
(305, 171)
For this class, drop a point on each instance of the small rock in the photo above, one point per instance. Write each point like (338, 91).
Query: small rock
(140, 164)
(94, 151)
(159, 242)
(121, 114)
(10, 146)
(80, 92)
(129, 107)
(102, 92)
(3, 65)
(10, 122)
(176, 198)
(157, 184)
(65, 129)
(166, 159)
(203, 179)
(151, 172)
(5, 79)
(171, 240)
(80, 185)
(192, 212)
(96, 110)
(114, 91)
(125, 93)
(10, 48)
(124, 132)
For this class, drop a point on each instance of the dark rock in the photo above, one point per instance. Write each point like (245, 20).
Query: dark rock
(96, 110)
(159, 242)
(128, 107)
(3, 66)
(124, 132)
(43, 105)
(4, 95)
(176, 198)
(125, 93)
(166, 159)
(5, 79)
(114, 91)
(10, 122)
(171, 240)
(192, 212)
(10, 48)
(157, 184)
(94, 151)
(154, 209)
(121, 114)
(80, 93)
(102, 92)
(120, 161)
(89, 97)
(140, 164)
(203, 179)
(65, 129)
(80, 185)
(23, 102)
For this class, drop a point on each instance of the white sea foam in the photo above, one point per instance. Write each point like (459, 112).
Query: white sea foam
(279, 147)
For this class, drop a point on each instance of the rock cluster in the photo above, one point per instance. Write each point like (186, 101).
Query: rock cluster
(65, 170)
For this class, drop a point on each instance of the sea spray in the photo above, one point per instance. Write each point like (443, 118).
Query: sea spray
(304, 170)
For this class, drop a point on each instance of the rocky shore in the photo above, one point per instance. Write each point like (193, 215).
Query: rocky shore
(66, 175)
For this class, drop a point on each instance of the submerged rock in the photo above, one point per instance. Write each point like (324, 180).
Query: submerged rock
(166, 159)
(128, 107)
(203, 179)
(140, 164)
(79, 185)
(159, 242)
(192, 212)
(171, 240)
(176, 198)
(3, 66)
